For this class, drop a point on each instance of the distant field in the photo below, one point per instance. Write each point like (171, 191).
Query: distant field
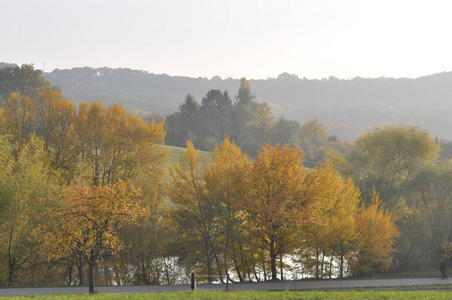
(175, 152)
(251, 295)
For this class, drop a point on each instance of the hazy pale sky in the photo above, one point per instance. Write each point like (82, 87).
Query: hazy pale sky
(236, 38)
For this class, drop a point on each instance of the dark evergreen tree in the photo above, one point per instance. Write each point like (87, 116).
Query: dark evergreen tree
(215, 118)
(24, 80)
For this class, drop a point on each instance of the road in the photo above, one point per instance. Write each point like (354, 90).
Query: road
(279, 285)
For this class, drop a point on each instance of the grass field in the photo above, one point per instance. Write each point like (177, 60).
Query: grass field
(442, 292)
(175, 151)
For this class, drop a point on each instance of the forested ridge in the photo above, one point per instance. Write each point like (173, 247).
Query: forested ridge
(87, 191)
(345, 106)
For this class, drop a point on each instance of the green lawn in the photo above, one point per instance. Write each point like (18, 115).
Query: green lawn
(368, 294)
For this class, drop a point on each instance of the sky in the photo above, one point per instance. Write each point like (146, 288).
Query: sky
(232, 38)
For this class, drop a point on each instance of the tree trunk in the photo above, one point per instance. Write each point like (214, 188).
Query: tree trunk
(217, 261)
(117, 276)
(255, 273)
(273, 258)
(237, 269)
(209, 272)
(341, 268)
(244, 264)
(91, 278)
(263, 265)
(331, 265)
(281, 266)
(81, 277)
(107, 275)
(79, 263)
(322, 266)
(317, 263)
(69, 275)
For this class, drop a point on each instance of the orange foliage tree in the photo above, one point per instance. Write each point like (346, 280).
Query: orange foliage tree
(194, 217)
(375, 240)
(116, 144)
(274, 205)
(331, 231)
(86, 219)
(56, 117)
(227, 178)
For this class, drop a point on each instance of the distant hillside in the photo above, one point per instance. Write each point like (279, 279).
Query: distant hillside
(6, 65)
(344, 106)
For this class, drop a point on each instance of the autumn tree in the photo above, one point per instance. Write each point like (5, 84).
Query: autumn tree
(227, 183)
(330, 232)
(87, 218)
(20, 116)
(55, 124)
(3, 125)
(376, 238)
(148, 240)
(116, 144)
(94, 143)
(147, 258)
(194, 216)
(391, 161)
(25, 179)
(274, 205)
(49, 116)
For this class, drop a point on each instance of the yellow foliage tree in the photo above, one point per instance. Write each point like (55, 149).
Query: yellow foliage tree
(331, 231)
(274, 204)
(117, 144)
(56, 117)
(25, 178)
(376, 238)
(87, 218)
(20, 113)
(3, 126)
(227, 178)
(194, 217)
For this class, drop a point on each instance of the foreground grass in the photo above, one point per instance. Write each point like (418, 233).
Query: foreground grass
(351, 294)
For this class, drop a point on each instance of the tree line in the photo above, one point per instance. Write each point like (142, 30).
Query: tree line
(88, 190)
(360, 103)
(248, 123)
(86, 185)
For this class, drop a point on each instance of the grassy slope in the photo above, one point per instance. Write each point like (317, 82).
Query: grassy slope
(176, 151)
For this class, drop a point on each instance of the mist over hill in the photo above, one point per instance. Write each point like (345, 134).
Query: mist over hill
(346, 107)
